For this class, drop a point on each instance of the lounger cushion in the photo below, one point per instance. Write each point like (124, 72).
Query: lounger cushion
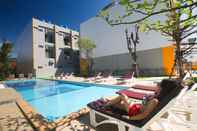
(121, 83)
(146, 87)
(131, 94)
(136, 94)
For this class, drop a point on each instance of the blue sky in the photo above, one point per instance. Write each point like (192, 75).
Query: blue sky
(15, 14)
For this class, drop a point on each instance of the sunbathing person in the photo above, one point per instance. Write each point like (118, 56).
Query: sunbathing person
(138, 110)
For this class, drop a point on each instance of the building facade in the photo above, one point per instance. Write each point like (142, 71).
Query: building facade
(155, 53)
(46, 49)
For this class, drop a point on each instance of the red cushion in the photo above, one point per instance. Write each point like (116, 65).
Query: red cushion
(131, 94)
(146, 87)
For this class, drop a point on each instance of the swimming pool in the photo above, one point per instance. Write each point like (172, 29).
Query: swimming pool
(55, 99)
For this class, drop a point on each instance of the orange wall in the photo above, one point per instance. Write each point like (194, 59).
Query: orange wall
(83, 67)
(194, 67)
(168, 59)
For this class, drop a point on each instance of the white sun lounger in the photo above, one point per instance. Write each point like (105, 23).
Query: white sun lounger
(2, 86)
(186, 106)
(21, 76)
(134, 125)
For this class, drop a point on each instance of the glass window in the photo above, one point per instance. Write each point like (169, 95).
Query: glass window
(68, 55)
(49, 36)
(50, 51)
(50, 63)
(67, 39)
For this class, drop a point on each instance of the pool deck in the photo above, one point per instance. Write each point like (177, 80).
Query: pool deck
(11, 116)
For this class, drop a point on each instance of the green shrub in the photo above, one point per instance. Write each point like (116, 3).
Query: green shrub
(194, 79)
(2, 78)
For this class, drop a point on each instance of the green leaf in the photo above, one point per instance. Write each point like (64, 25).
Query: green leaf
(143, 27)
(189, 2)
(86, 44)
(124, 2)
(177, 3)
(104, 13)
(185, 11)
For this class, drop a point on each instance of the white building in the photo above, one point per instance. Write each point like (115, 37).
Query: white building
(46, 49)
(155, 52)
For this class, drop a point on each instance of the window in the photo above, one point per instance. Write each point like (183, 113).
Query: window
(40, 67)
(67, 39)
(50, 51)
(76, 37)
(68, 55)
(40, 46)
(49, 36)
(50, 63)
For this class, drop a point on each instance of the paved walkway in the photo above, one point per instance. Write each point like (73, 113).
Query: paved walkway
(83, 124)
(11, 117)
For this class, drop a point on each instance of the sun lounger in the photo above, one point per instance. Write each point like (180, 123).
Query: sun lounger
(90, 79)
(29, 75)
(187, 76)
(188, 101)
(120, 118)
(2, 86)
(99, 78)
(184, 112)
(21, 76)
(126, 79)
(11, 76)
(107, 79)
(63, 76)
(68, 75)
(128, 75)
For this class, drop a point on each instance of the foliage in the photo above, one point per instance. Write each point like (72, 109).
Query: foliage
(189, 82)
(87, 45)
(148, 9)
(5, 66)
(194, 79)
(179, 23)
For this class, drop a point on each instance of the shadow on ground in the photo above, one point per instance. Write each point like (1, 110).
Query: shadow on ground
(85, 120)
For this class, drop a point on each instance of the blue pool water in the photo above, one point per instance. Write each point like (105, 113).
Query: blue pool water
(55, 99)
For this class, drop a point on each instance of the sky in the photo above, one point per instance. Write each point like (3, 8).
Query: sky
(15, 14)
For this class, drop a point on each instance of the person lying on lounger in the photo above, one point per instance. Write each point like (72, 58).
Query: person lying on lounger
(141, 109)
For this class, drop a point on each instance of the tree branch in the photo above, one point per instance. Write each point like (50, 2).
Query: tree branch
(187, 35)
(152, 14)
(186, 30)
(139, 11)
(187, 50)
(163, 30)
(195, 16)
